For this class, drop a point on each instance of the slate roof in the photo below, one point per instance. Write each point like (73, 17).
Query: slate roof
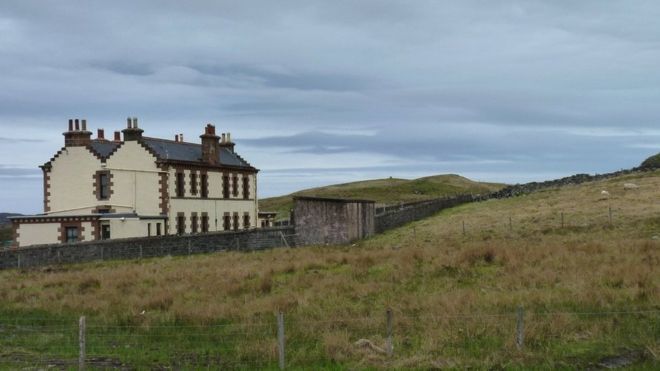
(104, 148)
(168, 150)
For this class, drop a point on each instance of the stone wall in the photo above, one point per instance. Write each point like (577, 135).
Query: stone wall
(146, 247)
(396, 216)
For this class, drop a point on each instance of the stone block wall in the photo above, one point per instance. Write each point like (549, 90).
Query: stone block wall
(146, 247)
(390, 218)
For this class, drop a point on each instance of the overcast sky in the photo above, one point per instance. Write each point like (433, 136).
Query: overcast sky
(321, 92)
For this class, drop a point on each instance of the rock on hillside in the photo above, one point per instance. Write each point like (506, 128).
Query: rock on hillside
(652, 162)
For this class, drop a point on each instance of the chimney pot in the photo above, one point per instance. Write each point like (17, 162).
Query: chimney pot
(181, 137)
(176, 138)
(77, 122)
(135, 124)
(100, 134)
(84, 124)
(117, 136)
(128, 123)
(224, 137)
(70, 124)
(229, 137)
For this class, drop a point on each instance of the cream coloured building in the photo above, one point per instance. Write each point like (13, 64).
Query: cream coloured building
(139, 186)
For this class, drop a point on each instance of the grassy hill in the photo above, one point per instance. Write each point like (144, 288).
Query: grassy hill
(385, 191)
(590, 289)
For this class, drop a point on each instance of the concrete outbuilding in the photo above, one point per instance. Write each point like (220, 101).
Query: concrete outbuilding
(320, 220)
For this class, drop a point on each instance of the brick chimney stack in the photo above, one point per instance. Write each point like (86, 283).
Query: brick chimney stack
(226, 142)
(100, 134)
(132, 132)
(75, 137)
(210, 145)
(117, 136)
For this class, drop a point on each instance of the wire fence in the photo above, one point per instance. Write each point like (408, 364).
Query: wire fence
(389, 339)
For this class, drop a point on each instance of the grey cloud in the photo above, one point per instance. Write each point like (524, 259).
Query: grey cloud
(456, 84)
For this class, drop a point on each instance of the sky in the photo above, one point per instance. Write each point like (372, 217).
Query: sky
(324, 92)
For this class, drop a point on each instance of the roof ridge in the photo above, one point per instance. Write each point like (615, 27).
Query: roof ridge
(171, 141)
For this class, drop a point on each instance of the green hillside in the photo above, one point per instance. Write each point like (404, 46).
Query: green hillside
(385, 191)
(652, 162)
(587, 279)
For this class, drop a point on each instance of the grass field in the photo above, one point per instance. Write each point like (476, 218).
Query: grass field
(590, 289)
(385, 191)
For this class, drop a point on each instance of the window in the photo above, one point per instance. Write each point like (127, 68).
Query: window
(234, 185)
(104, 186)
(246, 221)
(148, 229)
(71, 234)
(104, 210)
(181, 224)
(205, 223)
(158, 231)
(193, 183)
(227, 222)
(225, 186)
(235, 221)
(105, 231)
(246, 187)
(204, 185)
(193, 220)
(179, 185)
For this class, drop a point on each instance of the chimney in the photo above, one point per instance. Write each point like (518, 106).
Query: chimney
(132, 132)
(210, 146)
(176, 138)
(181, 137)
(117, 136)
(75, 137)
(226, 142)
(100, 134)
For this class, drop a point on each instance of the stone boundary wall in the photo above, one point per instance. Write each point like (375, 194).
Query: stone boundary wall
(406, 213)
(147, 247)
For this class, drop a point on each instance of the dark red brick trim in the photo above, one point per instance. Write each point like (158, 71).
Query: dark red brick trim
(164, 191)
(61, 230)
(46, 174)
(96, 190)
(15, 234)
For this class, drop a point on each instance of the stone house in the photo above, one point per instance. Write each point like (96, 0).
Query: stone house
(139, 186)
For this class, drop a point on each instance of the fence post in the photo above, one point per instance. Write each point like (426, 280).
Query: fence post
(284, 239)
(562, 220)
(140, 251)
(463, 227)
(520, 327)
(389, 344)
(610, 213)
(280, 339)
(81, 339)
(18, 255)
(510, 224)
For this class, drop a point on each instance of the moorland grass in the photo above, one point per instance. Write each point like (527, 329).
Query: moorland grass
(590, 289)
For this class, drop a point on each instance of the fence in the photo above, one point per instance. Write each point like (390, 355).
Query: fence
(147, 247)
(390, 339)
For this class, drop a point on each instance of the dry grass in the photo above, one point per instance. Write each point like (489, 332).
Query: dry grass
(429, 272)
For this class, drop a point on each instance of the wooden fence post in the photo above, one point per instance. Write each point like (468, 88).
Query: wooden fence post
(610, 213)
(510, 224)
(280, 339)
(562, 220)
(389, 345)
(520, 327)
(81, 339)
(463, 227)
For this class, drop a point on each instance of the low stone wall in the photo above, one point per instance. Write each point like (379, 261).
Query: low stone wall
(146, 247)
(406, 213)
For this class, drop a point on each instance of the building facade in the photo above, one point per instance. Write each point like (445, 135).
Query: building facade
(139, 186)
